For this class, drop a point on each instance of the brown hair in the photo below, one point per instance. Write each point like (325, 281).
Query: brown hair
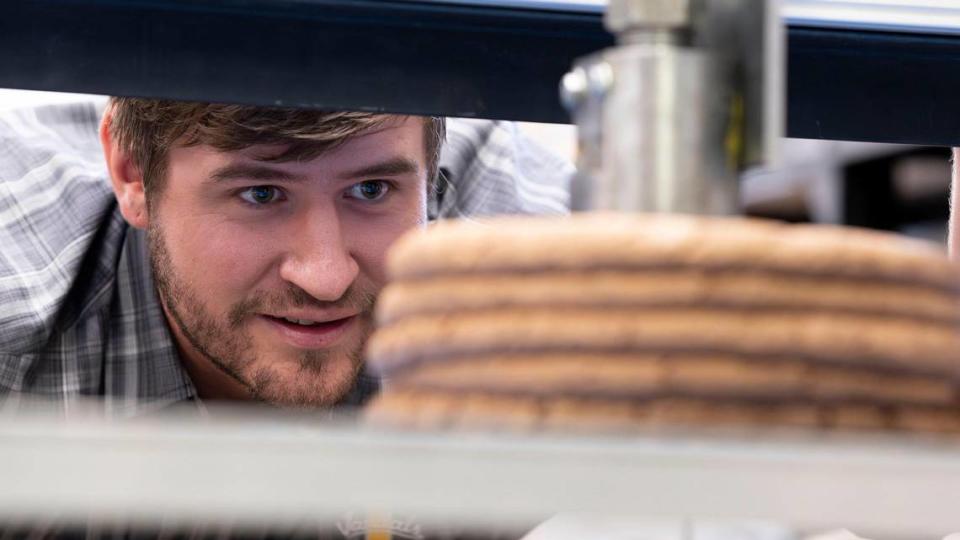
(148, 128)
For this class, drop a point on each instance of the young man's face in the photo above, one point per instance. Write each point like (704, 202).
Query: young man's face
(269, 270)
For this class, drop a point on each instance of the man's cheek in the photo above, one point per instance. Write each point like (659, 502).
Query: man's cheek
(377, 260)
(229, 244)
(227, 264)
(371, 239)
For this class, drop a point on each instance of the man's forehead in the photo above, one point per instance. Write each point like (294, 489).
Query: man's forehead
(403, 131)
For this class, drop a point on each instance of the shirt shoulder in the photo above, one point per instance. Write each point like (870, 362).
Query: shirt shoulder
(491, 167)
(55, 207)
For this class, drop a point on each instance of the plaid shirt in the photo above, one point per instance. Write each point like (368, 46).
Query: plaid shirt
(79, 314)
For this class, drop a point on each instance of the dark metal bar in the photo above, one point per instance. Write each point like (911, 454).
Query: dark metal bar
(870, 86)
(371, 55)
(432, 58)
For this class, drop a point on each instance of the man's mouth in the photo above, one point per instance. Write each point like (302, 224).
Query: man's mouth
(304, 322)
(309, 334)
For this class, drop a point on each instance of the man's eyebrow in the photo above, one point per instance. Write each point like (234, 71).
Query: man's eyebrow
(392, 167)
(250, 171)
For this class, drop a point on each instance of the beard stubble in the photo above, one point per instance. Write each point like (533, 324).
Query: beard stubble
(231, 349)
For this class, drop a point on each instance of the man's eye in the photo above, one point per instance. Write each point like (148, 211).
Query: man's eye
(260, 195)
(370, 190)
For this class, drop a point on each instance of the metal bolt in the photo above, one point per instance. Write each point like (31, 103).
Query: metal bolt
(573, 88)
(600, 78)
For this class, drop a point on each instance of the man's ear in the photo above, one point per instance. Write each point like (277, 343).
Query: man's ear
(125, 176)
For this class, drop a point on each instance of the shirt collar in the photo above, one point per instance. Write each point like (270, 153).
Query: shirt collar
(143, 370)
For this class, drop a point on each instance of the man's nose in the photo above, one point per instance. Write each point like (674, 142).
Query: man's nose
(319, 259)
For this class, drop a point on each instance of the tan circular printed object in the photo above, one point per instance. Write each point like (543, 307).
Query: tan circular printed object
(842, 338)
(653, 288)
(623, 322)
(428, 410)
(614, 376)
(614, 240)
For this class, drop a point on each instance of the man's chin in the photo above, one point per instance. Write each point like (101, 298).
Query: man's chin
(314, 379)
